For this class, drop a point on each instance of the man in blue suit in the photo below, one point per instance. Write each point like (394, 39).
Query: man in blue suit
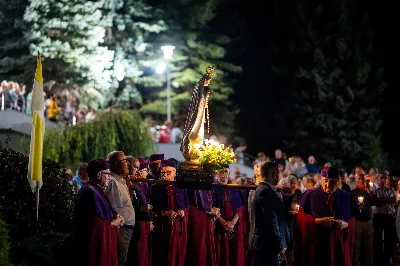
(269, 236)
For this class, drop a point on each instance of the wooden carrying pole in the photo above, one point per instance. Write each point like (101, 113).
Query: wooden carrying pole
(167, 182)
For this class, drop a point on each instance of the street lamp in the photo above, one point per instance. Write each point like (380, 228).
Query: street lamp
(168, 51)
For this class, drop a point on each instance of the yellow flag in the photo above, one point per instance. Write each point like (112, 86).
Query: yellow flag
(36, 151)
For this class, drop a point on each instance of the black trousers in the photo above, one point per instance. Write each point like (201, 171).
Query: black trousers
(264, 257)
(383, 248)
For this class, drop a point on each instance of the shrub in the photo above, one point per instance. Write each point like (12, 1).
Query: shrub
(4, 246)
(18, 202)
(49, 249)
(113, 130)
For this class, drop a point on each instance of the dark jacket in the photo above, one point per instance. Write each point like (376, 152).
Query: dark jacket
(270, 227)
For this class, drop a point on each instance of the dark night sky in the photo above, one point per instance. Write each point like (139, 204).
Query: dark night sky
(258, 91)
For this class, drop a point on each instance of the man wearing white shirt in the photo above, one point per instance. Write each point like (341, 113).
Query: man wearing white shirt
(118, 194)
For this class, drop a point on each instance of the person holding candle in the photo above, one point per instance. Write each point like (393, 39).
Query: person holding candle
(325, 224)
(363, 236)
(290, 200)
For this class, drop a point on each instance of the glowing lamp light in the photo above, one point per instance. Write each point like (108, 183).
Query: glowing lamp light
(161, 68)
(168, 51)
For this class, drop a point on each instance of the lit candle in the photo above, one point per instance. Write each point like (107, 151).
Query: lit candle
(297, 207)
(371, 184)
(361, 199)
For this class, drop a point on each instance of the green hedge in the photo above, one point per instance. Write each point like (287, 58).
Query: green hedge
(48, 249)
(18, 202)
(113, 130)
(4, 245)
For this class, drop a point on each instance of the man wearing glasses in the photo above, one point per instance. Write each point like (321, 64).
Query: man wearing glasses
(143, 169)
(96, 223)
(170, 229)
(118, 193)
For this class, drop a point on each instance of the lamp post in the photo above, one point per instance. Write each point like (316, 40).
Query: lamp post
(168, 51)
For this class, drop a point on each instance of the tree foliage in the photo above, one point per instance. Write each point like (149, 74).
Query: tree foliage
(4, 245)
(18, 202)
(47, 249)
(340, 85)
(134, 26)
(15, 60)
(111, 131)
(97, 44)
(69, 34)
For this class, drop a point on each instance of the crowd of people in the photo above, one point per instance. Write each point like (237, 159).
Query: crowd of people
(169, 132)
(12, 96)
(321, 216)
(57, 108)
(67, 111)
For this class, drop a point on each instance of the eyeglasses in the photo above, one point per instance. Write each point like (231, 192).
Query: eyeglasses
(123, 160)
(107, 174)
(167, 172)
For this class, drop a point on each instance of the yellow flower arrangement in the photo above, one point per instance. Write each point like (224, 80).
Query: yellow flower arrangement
(216, 154)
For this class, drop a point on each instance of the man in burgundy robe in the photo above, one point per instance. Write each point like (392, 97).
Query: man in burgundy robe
(96, 223)
(170, 226)
(141, 239)
(228, 235)
(325, 224)
(202, 215)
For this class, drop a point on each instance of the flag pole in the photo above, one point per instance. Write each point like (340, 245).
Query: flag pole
(37, 206)
(37, 201)
(35, 169)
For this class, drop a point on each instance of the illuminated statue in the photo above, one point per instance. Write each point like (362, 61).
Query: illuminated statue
(193, 135)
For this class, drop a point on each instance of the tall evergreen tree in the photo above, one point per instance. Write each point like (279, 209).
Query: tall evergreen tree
(133, 28)
(70, 33)
(16, 63)
(340, 85)
(102, 46)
